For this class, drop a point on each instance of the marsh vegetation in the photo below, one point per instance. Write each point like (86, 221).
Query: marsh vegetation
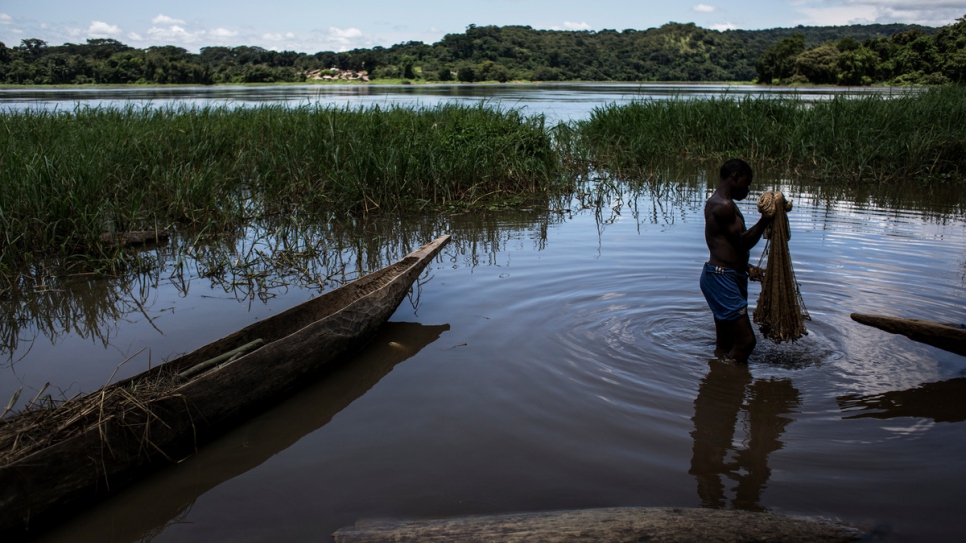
(67, 177)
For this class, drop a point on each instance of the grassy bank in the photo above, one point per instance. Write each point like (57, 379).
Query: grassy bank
(843, 139)
(67, 177)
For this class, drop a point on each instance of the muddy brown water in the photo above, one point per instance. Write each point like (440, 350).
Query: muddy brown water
(548, 361)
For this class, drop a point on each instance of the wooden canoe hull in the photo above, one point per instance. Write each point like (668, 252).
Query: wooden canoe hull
(948, 337)
(299, 343)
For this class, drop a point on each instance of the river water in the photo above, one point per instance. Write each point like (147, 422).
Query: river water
(557, 101)
(546, 360)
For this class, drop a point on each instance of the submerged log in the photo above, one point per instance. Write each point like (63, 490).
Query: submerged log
(612, 525)
(130, 239)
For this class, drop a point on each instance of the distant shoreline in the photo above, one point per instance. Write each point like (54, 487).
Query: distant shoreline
(402, 82)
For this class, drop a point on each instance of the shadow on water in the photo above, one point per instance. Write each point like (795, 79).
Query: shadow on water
(261, 261)
(727, 391)
(172, 492)
(942, 401)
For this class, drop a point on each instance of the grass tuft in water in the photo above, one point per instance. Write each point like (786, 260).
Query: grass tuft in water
(67, 177)
(844, 139)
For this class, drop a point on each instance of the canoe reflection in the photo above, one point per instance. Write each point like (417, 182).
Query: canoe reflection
(146, 509)
(943, 401)
(725, 392)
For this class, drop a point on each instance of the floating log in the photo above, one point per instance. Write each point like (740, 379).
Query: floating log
(945, 336)
(612, 525)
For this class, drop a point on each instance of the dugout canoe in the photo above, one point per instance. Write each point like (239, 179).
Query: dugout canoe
(946, 336)
(109, 446)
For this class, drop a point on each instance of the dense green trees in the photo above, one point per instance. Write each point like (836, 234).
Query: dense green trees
(846, 55)
(908, 57)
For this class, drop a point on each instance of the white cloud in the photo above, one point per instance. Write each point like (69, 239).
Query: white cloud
(223, 33)
(568, 25)
(134, 36)
(5, 19)
(844, 12)
(162, 19)
(703, 8)
(344, 33)
(100, 29)
(173, 34)
(723, 26)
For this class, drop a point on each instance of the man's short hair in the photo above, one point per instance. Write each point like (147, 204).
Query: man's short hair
(735, 166)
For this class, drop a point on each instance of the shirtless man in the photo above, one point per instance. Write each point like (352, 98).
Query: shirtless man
(724, 279)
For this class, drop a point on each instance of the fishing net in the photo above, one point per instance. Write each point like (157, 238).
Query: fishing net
(781, 312)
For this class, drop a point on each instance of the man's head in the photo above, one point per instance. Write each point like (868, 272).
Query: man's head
(738, 174)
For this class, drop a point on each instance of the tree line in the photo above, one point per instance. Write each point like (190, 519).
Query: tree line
(673, 52)
(912, 57)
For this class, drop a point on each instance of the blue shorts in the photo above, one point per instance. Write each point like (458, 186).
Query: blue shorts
(726, 291)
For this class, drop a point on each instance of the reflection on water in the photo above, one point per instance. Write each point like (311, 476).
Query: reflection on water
(172, 492)
(574, 374)
(943, 401)
(259, 263)
(725, 393)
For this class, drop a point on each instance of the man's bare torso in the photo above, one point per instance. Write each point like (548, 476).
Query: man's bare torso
(724, 225)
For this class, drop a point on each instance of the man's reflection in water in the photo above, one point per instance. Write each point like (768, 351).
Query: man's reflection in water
(724, 393)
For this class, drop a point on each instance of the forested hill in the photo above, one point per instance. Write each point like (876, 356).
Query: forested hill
(673, 52)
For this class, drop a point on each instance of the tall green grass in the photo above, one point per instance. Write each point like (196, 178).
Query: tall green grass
(872, 138)
(67, 177)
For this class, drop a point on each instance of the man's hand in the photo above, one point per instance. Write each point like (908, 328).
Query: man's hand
(755, 273)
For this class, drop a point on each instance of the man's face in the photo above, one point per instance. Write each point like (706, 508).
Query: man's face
(742, 185)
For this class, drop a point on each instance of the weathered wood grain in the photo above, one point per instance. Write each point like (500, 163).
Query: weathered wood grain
(948, 337)
(613, 525)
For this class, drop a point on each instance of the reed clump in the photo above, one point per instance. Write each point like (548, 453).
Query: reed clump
(67, 177)
(51, 421)
(845, 139)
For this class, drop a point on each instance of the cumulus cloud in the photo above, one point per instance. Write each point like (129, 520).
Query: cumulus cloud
(925, 12)
(278, 37)
(100, 29)
(568, 25)
(723, 26)
(344, 33)
(5, 19)
(173, 34)
(703, 8)
(223, 33)
(162, 19)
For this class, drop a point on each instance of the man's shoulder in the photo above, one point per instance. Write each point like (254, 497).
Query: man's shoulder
(718, 205)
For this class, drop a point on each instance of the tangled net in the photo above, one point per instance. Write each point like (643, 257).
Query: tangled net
(781, 312)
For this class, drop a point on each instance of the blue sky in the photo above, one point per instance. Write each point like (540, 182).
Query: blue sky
(311, 26)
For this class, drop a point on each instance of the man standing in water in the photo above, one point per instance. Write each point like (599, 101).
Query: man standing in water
(724, 279)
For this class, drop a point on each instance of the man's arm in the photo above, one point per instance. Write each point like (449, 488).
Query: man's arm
(752, 236)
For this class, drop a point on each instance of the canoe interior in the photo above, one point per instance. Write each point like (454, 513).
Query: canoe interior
(114, 450)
